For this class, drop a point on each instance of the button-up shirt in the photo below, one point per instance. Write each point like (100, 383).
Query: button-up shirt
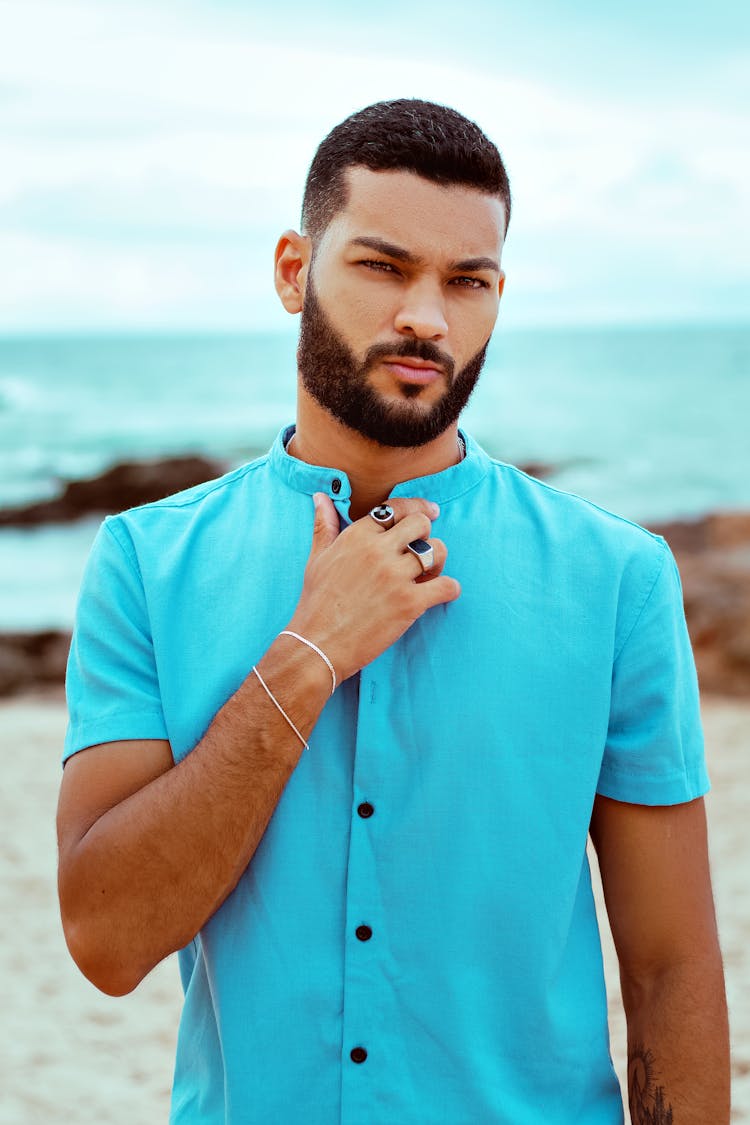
(414, 941)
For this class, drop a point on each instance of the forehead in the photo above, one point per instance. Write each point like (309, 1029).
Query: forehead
(426, 218)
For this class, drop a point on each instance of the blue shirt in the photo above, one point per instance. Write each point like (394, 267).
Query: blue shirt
(444, 804)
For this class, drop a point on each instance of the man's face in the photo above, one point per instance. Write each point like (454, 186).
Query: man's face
(400, 301)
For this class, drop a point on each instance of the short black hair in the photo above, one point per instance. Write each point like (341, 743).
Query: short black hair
(405, 135)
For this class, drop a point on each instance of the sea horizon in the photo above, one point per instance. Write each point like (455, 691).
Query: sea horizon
(502, 327)
(647, 421)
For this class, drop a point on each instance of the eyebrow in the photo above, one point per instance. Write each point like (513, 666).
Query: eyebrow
(467, 265)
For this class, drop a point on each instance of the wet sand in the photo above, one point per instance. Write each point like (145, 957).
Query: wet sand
(73, 1055)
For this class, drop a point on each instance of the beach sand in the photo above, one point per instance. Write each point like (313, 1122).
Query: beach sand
(75, 1056)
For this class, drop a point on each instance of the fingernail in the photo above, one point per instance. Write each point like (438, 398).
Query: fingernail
(316, 499)
(434, 510)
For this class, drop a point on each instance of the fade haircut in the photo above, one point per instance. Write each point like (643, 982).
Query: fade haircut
(406, 135)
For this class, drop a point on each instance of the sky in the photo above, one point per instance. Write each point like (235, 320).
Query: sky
(152, 153)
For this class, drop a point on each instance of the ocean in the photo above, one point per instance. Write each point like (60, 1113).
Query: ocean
(649, 422)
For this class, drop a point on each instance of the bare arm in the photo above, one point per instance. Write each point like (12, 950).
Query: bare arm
(657, 887)
(148, 850)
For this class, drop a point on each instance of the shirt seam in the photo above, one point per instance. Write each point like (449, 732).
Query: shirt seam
(647, 599)
(120, 714)
(615, 772)
(204, 490)
(575, 496)
(130, 556)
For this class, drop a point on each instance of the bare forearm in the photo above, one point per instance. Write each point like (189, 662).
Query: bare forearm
(150, 871)
(678, 1046)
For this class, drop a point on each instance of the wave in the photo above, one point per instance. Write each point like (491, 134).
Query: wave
(17, 393)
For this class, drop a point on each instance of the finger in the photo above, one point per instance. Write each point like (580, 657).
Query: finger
(439, 591)
(414, 526)
(326, 524)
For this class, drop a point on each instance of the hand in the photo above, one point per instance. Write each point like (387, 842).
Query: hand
(362, 588)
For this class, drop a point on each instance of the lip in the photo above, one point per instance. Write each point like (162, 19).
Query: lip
(413, 371)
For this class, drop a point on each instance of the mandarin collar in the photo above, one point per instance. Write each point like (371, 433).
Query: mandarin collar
(440, 487)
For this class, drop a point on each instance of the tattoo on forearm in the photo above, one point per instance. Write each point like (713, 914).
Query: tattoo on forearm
(647, 1102)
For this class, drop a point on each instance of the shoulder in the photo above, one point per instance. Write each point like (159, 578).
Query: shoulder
(586, 552)
(559, 533)
(566, 516)
(220, 499)
(222, 489)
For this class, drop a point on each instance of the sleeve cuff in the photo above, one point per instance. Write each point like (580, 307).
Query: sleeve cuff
(674, 789)
(125, 725)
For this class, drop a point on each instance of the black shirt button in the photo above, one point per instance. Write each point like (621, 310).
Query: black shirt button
(336, 486)
(358, 1054)
(365, 809)
(364, 933)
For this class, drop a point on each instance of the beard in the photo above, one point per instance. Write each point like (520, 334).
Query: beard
(331, 374)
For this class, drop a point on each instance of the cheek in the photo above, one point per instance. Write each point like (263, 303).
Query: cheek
(362, 313)
(471, 329)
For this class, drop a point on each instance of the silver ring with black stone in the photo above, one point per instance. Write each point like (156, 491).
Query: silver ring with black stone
(422, 551)
(384, 515)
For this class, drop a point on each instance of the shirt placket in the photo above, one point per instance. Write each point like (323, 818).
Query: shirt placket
(365, 1037)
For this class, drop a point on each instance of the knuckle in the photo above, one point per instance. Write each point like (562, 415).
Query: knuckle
(418, 525)
(425, 524)
(405, 506)
(372, 560)
(403, 600)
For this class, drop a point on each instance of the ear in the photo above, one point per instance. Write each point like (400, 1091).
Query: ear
(291, 263)
(501, 284)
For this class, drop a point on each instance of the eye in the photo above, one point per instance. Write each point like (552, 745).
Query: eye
(470, 283)
(376, 264)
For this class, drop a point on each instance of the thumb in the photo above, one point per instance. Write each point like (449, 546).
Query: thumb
(326, 525)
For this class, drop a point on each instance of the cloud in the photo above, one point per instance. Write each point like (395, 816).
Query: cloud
(151, 155)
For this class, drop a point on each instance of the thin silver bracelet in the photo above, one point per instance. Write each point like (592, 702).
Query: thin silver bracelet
(331, 669)
(279, 708)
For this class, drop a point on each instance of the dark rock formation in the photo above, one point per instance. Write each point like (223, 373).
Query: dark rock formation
(130, 483)
(540, 469)
(718, 531)
(32, 660)
(123, 486)
(713, 554)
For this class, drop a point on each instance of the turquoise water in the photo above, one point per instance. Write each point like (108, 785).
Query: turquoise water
(649, 422)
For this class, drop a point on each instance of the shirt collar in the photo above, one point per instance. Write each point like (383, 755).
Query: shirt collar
(440, 487)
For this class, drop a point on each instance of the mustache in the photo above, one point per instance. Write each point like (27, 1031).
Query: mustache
(412, 349)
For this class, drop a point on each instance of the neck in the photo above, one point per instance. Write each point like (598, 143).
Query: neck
(373, 470)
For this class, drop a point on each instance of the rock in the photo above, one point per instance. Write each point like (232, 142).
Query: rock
(123, 486)
(715, 531)
(540, 469)
(32, 660)
(130, 483)
(713, 554)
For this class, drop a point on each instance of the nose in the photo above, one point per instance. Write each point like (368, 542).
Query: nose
(422, 313)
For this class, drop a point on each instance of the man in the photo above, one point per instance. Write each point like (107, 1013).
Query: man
(348, 767)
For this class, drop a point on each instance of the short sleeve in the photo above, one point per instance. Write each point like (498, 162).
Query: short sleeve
(112, 683)
(654, 753)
